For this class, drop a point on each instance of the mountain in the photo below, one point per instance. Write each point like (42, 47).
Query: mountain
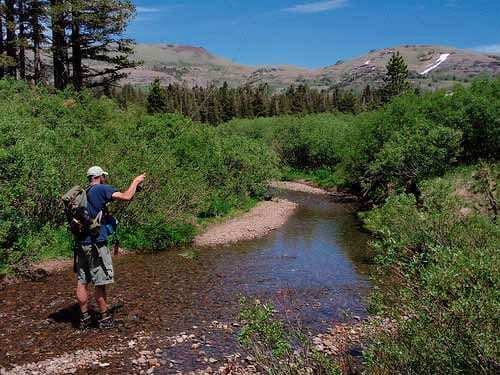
(430, 67)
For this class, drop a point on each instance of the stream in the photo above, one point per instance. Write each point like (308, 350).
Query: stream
(313, 269)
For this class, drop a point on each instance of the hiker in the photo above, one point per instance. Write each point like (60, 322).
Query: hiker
(93, 263)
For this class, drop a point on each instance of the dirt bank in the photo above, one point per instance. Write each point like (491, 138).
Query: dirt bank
(298, 186)
(262, 219)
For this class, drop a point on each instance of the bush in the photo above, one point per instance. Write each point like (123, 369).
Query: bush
(48, 140)
(444, 261)
(392, 149)
(277, 348)
(409, 156)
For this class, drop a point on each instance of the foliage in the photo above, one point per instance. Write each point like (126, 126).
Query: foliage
(76, 32)
(157, 98)
(396, 79)
(437, 238)
(215, 105)
(47, 141)
(390, 150)
(443, 256)
(475, 111)
(410, 155)
(278, 349)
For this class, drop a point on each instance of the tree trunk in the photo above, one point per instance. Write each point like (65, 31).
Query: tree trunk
(22, 39)
(11, 37)
(59, 44)
(2, 46)
(37, 38)
(76, 49)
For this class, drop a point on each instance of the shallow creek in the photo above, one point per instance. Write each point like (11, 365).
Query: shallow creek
(314, 269)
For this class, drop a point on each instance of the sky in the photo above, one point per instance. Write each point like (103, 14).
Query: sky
(315, 33)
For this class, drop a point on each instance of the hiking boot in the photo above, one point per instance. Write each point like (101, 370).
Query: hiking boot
(106, 321)
(85, 321)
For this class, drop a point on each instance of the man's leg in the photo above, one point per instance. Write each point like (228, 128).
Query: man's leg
(106, 320)
(82, 295)
(101, 299)
(102, 276)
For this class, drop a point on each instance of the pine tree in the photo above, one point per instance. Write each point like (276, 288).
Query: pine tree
(22, 40)
(59, 56)
(97, 28)
(226, 101)
(157, 98)
(37, 18)
(11, 37)
(348, 103)
(259, 102)
(3, 62)
(396, 79)
(274, 106)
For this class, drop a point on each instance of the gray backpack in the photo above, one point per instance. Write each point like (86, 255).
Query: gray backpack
(75, 207)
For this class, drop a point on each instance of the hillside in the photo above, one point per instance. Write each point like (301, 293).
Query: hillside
(430, 67)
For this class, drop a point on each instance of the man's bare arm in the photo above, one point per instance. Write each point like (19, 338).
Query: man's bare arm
(128, 195)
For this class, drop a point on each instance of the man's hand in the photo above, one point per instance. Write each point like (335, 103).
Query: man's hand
(129, 194)
(139, 179)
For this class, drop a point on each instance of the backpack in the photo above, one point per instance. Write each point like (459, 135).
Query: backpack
(79, 220)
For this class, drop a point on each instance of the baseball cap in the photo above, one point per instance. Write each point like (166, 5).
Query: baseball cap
(96, 172)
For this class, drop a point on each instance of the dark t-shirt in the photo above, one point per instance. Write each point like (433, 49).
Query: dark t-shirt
(98, 196)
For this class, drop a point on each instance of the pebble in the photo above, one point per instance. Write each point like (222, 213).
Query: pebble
(153, 362)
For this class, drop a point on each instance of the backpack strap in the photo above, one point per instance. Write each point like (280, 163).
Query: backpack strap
(99, 215)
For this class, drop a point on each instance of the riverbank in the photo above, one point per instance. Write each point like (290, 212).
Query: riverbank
(258, 222)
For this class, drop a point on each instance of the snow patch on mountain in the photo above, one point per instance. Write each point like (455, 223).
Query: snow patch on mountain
(442, 58)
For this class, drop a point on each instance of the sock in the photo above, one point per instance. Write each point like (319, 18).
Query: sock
(85, 316)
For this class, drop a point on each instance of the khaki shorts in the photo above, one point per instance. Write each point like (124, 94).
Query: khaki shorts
(94, 264)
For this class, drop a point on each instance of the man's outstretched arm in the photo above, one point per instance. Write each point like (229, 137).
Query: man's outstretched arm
(130, 192)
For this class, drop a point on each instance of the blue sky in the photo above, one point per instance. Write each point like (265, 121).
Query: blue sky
(314, 33)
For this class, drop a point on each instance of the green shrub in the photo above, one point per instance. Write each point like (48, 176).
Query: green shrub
(445, 303)
(48, 140)
(277, 348)
(392, 149)
(411, 155)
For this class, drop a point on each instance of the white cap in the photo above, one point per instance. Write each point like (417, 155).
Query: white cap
(96, 172)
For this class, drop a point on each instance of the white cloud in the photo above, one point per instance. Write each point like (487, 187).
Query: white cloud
(492, 48)
(147, 10)
(317, 7)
